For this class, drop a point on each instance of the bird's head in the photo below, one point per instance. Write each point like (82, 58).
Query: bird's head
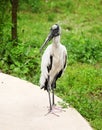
(54, 32)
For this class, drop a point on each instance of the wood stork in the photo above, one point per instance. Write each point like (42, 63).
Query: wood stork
(53, 62)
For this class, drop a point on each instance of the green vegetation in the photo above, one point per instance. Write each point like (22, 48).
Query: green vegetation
(81, 88)
(81, 22)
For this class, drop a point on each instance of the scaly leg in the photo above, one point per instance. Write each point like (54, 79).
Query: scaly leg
(51, 111)
(54, 107)
(49, 100)
(53, 97)
(48, 90)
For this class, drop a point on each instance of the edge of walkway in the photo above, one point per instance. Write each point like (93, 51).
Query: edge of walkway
(23, 106)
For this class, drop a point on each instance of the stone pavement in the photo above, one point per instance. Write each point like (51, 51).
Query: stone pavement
(23, 107)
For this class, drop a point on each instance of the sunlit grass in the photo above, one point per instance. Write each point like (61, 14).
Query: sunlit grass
(81, 87)
(81, 84)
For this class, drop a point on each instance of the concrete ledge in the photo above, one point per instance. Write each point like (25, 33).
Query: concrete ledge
(23, 107)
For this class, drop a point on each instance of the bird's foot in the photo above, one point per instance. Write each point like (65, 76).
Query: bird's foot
(52, 112)
(55, 109)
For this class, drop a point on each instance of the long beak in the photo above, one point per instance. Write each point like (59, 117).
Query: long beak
(49, 37)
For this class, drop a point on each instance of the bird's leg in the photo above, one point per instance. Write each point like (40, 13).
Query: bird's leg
(49, 99)
(54, 107)
(48, 90)
(53, 97)
(51, 109)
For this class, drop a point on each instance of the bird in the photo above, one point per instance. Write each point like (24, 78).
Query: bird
(53, 63)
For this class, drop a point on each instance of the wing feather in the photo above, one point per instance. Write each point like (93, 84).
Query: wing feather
(64, 64)
(46, 65)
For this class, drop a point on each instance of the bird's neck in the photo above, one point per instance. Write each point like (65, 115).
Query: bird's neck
(56, 41)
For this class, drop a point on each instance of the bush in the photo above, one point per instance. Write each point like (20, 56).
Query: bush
(21, 60)
(84, 50)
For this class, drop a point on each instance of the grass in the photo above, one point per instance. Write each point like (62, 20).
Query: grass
(81, 87)
(81, 84)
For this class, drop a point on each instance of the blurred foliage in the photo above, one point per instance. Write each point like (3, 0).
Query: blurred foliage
(4, 9)
(81, 84)
(33, 5)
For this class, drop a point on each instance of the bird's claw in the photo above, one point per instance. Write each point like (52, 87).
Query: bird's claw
(52, 112)
(58, 109)
(55, 110)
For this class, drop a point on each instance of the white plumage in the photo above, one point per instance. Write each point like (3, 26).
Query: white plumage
(59, 53)
(53, 62)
